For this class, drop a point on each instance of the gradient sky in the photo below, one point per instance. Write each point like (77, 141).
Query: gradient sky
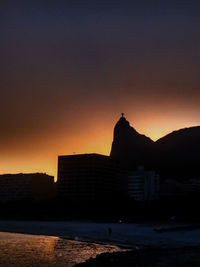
(69, 68)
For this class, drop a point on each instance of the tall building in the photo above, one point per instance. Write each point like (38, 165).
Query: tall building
(36, 186)
(88, 178)
(143, 185)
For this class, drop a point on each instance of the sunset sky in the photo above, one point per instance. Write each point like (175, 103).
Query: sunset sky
(69, 68)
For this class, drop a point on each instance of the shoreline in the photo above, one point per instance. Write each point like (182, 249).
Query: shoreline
(123, 246)
(128, 236)
(139, 244)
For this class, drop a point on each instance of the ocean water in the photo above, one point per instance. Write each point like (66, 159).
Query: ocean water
(38, 250)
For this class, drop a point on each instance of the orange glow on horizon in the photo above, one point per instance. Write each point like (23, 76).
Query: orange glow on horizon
(93, 139)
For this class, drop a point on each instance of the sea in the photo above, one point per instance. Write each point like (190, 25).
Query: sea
(39, 250)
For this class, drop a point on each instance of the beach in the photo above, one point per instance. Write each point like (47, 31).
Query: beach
(128, 244)
(130, 235)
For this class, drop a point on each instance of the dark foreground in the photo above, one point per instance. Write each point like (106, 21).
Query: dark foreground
(183, 257)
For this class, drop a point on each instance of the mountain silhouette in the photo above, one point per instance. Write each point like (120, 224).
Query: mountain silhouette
(176, 155)
(130, 147)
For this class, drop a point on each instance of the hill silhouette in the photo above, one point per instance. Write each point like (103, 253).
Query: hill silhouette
(130, 147)
(176, 155)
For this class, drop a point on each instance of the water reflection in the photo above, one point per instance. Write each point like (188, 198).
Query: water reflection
(36, 250)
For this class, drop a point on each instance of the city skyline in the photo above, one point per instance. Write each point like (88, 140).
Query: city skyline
(53, 169)
(69, 69)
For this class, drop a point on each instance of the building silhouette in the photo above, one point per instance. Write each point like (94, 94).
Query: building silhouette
(143, 185)
(33, 186)
(88, 178)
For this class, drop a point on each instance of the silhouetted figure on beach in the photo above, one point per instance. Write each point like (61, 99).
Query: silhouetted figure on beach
(109, 231)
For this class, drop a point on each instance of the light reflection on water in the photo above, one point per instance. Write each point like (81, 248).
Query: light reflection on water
(38, 250)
